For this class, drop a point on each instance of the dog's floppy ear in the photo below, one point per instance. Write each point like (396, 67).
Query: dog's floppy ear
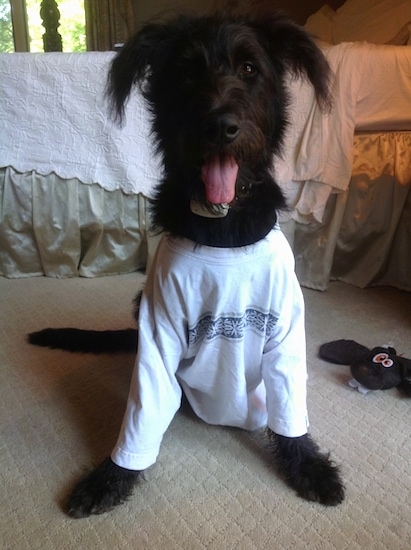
(291, 48)
(132, 64)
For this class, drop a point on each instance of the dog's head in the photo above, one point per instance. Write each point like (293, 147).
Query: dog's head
(216, 88)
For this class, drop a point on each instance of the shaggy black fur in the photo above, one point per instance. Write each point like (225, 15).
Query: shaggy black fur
(90, 496)
(309, 472)
(86, 341)
(217, 90)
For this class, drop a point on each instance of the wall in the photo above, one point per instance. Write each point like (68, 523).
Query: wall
(299, 10)
(145, 10)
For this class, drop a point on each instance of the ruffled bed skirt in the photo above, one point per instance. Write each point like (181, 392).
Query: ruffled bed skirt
(365, 236)
(64, 228)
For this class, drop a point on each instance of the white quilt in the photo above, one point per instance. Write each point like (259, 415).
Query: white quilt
(54, 118)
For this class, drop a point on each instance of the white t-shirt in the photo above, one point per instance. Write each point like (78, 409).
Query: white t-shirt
(227, 326)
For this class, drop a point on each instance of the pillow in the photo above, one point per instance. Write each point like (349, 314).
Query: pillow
(375, 21)
(403, 36)
(320, 24)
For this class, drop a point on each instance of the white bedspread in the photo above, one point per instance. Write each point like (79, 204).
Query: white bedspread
(54, 118)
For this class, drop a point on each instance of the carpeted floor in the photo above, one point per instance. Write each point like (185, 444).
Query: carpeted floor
(212, 487)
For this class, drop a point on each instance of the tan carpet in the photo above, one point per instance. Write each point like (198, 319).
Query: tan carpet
(211, 487)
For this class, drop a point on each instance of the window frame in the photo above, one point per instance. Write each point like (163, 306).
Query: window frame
(19, 21)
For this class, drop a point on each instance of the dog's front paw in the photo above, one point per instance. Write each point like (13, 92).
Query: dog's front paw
(319, 480)
(309, 472)
(101, 490)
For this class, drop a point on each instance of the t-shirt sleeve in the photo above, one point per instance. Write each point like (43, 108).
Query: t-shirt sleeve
(284, 366)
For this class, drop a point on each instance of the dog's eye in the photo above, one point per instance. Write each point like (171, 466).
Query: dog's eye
(248, 70)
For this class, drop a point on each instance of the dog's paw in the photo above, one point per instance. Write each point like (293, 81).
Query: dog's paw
(101, 490)
(318, 479)
(309, 472)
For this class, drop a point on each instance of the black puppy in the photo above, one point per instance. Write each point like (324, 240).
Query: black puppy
(221, 315)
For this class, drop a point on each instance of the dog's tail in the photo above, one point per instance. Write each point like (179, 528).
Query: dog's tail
(86, 341)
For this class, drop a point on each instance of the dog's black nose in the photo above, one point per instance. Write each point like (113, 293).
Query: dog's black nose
(223, 128)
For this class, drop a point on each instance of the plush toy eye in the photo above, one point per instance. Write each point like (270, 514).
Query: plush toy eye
(383, 359)
(248, 70)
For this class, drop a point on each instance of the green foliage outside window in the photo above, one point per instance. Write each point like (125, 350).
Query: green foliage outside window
(6, 29)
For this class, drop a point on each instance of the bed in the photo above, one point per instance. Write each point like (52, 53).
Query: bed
(73, 184)
(74, 187)
(357, 227)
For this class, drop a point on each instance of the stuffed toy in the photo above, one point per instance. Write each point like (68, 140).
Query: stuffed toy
(379, 368)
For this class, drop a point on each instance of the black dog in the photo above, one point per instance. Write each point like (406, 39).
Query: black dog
(221, 315)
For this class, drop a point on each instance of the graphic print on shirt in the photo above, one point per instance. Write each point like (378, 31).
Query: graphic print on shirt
(232, 327)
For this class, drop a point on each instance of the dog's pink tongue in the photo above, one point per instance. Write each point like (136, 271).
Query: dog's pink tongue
(219, 176)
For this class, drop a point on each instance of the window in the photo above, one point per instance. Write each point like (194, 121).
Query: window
(6, 27)
(22, 26)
